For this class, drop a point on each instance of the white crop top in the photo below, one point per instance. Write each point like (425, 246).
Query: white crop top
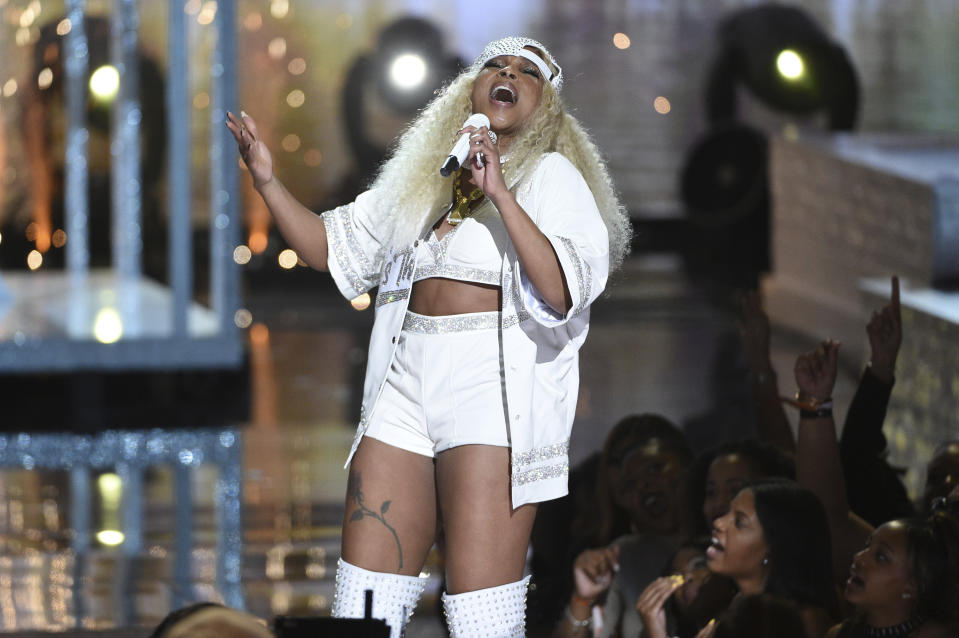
(471, 251)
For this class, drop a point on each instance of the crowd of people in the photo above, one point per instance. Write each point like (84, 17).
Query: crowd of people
(808, 535)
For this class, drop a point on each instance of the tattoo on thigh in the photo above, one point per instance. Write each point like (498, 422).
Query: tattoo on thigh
(354, 493)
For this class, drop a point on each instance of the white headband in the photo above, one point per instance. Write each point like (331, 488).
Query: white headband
(517, 46)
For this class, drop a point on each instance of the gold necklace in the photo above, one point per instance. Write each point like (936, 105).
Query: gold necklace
(460, 206)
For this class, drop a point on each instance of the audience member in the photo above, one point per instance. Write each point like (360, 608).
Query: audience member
(905, 582)
(775, 539)
(717, 475)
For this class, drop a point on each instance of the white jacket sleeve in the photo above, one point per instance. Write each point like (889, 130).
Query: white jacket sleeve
(355, 254)
(563, 208)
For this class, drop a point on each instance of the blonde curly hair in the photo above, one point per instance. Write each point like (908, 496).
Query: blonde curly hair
(412, 172)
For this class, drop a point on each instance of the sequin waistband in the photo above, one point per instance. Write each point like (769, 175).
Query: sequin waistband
(470, 322)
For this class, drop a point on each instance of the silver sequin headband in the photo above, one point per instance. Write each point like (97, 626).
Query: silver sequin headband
(516, 46)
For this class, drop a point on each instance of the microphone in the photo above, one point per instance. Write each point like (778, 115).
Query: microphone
(461, 149)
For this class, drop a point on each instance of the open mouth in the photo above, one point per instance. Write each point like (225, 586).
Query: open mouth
(715, 548)
(655, 504)
(504, 94)
(854, 581)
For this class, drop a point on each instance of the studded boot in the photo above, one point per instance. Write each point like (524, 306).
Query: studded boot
(394, 595)
(495, 612)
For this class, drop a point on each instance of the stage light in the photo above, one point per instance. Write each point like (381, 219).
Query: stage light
(408, 71)
(110, 487)
(790, 64)
(110, 537)
(105, 83)
(108, 327)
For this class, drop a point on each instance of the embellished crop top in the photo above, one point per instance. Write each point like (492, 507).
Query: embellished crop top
(470, 251)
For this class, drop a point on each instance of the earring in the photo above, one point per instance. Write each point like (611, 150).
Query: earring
(765, 561)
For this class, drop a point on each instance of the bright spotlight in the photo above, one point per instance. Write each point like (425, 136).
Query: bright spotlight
(108, 327)
(408, 71)
(105, 83)
(110, 537)
(789, 64)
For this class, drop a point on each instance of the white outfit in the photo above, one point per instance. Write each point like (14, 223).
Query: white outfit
(538, 346)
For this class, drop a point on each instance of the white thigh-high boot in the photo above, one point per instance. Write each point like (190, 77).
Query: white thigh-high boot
(495, 612)
(394, 595)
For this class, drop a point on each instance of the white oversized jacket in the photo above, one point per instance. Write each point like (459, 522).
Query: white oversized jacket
(540, 347)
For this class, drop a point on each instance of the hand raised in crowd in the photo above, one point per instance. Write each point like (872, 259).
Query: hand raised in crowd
(885, 336)
(593, 571)
(254, 152)
(754, 331)
(651, 602)
(816, 371)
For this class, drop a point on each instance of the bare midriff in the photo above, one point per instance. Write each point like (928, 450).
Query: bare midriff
(437, 297)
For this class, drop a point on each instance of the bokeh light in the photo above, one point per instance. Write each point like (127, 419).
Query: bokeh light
(621, 41)
(105, 83)
(59, 238)
(243, 318)
(296, 66)
(312, 158)
(279, 8)
(291, 143)
(242, 255)
(295, 98)
(287, 258)
(277, 48)
(45, 78)
(108, 327)
(662, 105)
(64, 26)
(34, 259)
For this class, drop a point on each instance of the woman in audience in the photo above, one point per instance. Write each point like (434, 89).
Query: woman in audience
(639, 486)
(775, 539)
(905, 582)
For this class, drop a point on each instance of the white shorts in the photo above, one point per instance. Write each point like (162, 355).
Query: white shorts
(445, 386)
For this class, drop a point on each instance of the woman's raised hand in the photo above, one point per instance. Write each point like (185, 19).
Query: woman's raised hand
(816, 370)
(885, 336)
(593, 571)
(651, 602)
(254, 152)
